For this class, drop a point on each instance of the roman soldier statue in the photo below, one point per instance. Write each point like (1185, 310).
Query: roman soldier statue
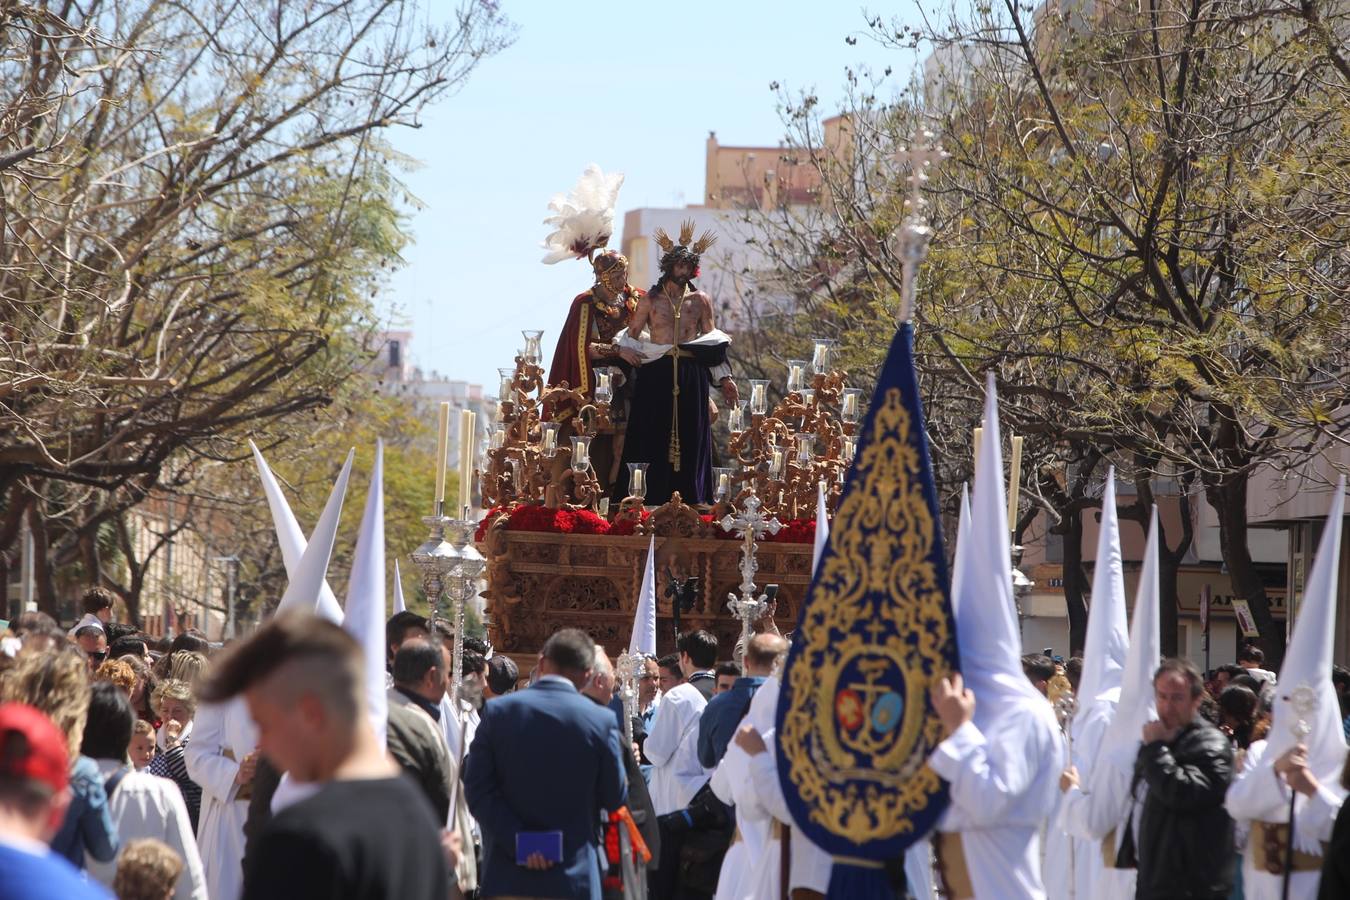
(586, 346)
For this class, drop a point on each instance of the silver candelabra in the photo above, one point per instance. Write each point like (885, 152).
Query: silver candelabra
(628, 668)
(750, 525)
(451, 568)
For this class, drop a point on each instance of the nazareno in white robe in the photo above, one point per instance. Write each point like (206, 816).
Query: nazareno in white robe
(1004, 785)
(220, 827)
(1256, 794)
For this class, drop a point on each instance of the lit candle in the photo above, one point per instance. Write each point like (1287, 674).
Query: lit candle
(581, 453)
(805, 447)
(820, 356)
(1015, 484)
(637, 480)
(466, 429)
(849, 412)
(442, 440)
(758, 397)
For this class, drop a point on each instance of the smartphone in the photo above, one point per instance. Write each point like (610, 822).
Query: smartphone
(548, 844)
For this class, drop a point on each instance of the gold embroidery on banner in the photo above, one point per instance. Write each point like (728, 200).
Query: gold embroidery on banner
(862, 772)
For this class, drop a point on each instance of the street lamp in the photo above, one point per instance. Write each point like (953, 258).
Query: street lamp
(232, 585)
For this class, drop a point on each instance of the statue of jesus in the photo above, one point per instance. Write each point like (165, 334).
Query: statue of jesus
(670, 425)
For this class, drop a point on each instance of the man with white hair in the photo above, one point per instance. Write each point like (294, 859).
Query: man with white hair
(601, 688)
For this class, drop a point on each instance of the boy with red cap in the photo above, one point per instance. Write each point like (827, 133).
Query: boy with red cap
(33, 800)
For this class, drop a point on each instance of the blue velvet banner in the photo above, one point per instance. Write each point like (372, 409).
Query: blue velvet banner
(855, 726)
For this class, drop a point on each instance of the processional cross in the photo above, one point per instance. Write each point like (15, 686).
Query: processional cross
(750, 525)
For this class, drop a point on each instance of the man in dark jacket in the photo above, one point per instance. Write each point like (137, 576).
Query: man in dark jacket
(1185, 835)
(546, 760)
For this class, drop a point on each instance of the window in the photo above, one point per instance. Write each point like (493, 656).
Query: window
(395, 355)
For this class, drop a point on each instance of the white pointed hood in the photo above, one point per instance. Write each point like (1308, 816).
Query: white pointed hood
(1137, 706)
(399, 604)
(1308, 660)
(365, 597)
(1108, 638)
(289, 536)
(962, 541)
(822, 528)
(308, 580)
(644, 620)
(986, 614)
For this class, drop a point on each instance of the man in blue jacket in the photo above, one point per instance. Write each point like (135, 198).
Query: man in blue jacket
(545, 759)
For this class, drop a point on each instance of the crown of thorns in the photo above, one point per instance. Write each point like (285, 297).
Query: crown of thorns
(686, 249)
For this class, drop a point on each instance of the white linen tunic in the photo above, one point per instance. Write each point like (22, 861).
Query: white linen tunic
(1004, 786)
(220, 828)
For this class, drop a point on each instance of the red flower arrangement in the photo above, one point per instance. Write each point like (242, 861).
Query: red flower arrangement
(627, 527)
(583, 521)
(558, 521)
(796, 531)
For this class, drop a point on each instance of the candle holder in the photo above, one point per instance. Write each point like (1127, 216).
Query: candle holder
(796, 374)
(604, 386)
(548, 438)
(775, 461)
(637, 480)
(822, 349)
(736, 419)
(581, 452)
(507, 387)
(850, 405)
(531, 351)
(722, 480)
(806, 448)
(759, 396)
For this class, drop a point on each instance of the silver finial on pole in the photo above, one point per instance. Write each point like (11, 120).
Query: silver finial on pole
(750, 524)
(910, 242)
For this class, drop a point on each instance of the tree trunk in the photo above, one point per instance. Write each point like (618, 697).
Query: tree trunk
(1169, 557)
(1228, 496)
(44, 574)
(1075, 582)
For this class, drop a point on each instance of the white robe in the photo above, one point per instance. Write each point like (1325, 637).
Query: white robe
(220, 828)
(731, 783)
(1004, 785)
(1258, 795)
(1085, 870)
(1093, 814)
(672, 747)
(739, 866)
(810, 866)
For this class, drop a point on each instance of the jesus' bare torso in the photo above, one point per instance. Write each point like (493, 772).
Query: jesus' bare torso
(657, 312)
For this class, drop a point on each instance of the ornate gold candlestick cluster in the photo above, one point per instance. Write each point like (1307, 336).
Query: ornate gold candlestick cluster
(529, 460)
(808, 438)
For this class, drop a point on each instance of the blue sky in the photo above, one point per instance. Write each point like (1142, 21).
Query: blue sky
(634, 87)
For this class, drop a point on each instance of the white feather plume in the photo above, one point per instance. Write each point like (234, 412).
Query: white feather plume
(584, 219)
